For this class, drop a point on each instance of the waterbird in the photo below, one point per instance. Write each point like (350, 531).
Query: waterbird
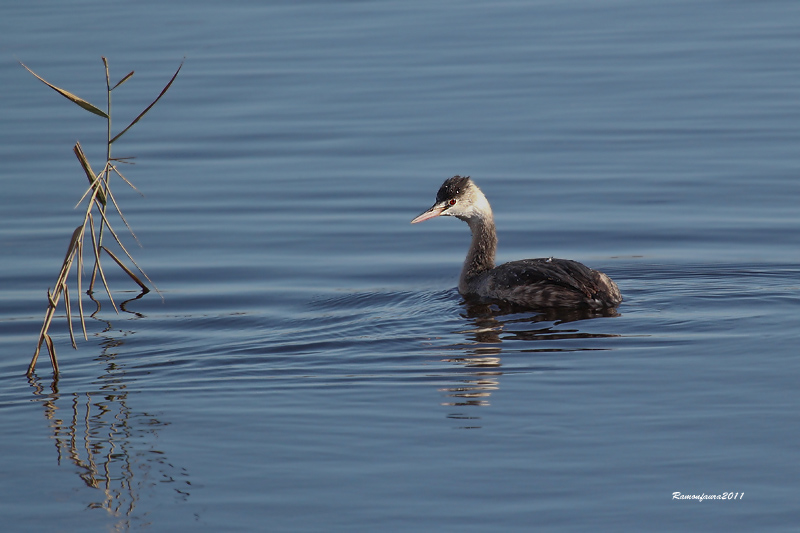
(530, 283)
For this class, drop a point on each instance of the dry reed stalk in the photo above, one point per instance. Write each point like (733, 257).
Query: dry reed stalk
(98, 193)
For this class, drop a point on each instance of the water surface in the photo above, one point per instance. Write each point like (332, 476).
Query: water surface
(311, 366)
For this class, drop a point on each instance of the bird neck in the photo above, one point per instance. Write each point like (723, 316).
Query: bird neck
(480, 257)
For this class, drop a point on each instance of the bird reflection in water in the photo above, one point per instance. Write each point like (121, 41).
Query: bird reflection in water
(111, 445)
(492, 324)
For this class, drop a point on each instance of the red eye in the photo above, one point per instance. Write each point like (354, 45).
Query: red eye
(452, 202)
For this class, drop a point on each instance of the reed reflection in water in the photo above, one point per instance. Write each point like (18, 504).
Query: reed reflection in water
(110, 443)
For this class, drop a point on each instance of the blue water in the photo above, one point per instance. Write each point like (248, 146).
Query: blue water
(311, 366)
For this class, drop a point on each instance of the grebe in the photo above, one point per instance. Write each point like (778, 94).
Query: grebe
(534, 283)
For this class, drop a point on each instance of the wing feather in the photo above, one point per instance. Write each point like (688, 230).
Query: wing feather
(563, 272)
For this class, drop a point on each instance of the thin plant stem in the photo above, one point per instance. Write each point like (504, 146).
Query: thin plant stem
(97, 196)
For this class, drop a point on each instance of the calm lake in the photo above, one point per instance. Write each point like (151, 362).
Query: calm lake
(309, 365)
